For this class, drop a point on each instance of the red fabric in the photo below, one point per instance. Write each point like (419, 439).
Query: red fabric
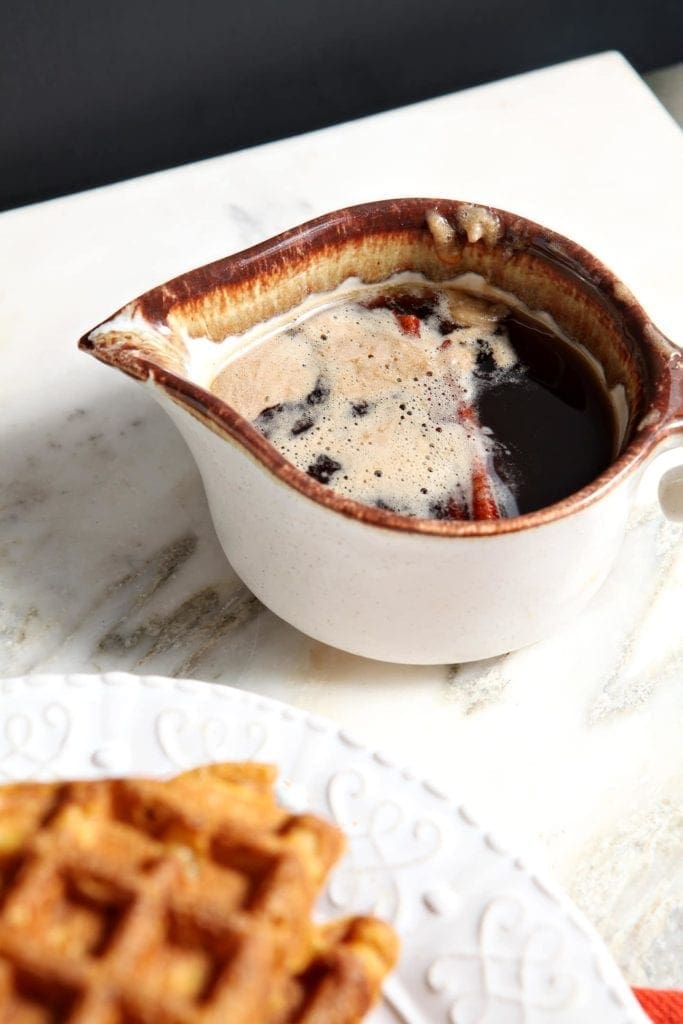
(663, 1007)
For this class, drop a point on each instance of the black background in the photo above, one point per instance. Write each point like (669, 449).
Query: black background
(93, 92)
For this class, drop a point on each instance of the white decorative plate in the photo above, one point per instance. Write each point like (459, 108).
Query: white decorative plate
(484, 940)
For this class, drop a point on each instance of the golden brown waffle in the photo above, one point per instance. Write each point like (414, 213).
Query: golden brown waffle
(143, 902)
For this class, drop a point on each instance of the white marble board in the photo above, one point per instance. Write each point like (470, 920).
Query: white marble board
(108, 559)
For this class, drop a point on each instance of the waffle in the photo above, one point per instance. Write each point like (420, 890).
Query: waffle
(134, 901)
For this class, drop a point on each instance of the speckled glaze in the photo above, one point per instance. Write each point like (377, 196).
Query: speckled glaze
(361, 578)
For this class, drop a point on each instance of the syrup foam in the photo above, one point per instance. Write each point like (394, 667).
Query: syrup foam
(376, 402)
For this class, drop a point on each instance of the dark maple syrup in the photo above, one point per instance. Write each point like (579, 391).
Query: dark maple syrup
(554, 420)
(429, 402)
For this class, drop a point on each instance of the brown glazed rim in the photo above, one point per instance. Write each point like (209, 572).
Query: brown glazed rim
(664, 362)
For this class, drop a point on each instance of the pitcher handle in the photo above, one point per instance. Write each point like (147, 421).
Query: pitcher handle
(671, 483)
